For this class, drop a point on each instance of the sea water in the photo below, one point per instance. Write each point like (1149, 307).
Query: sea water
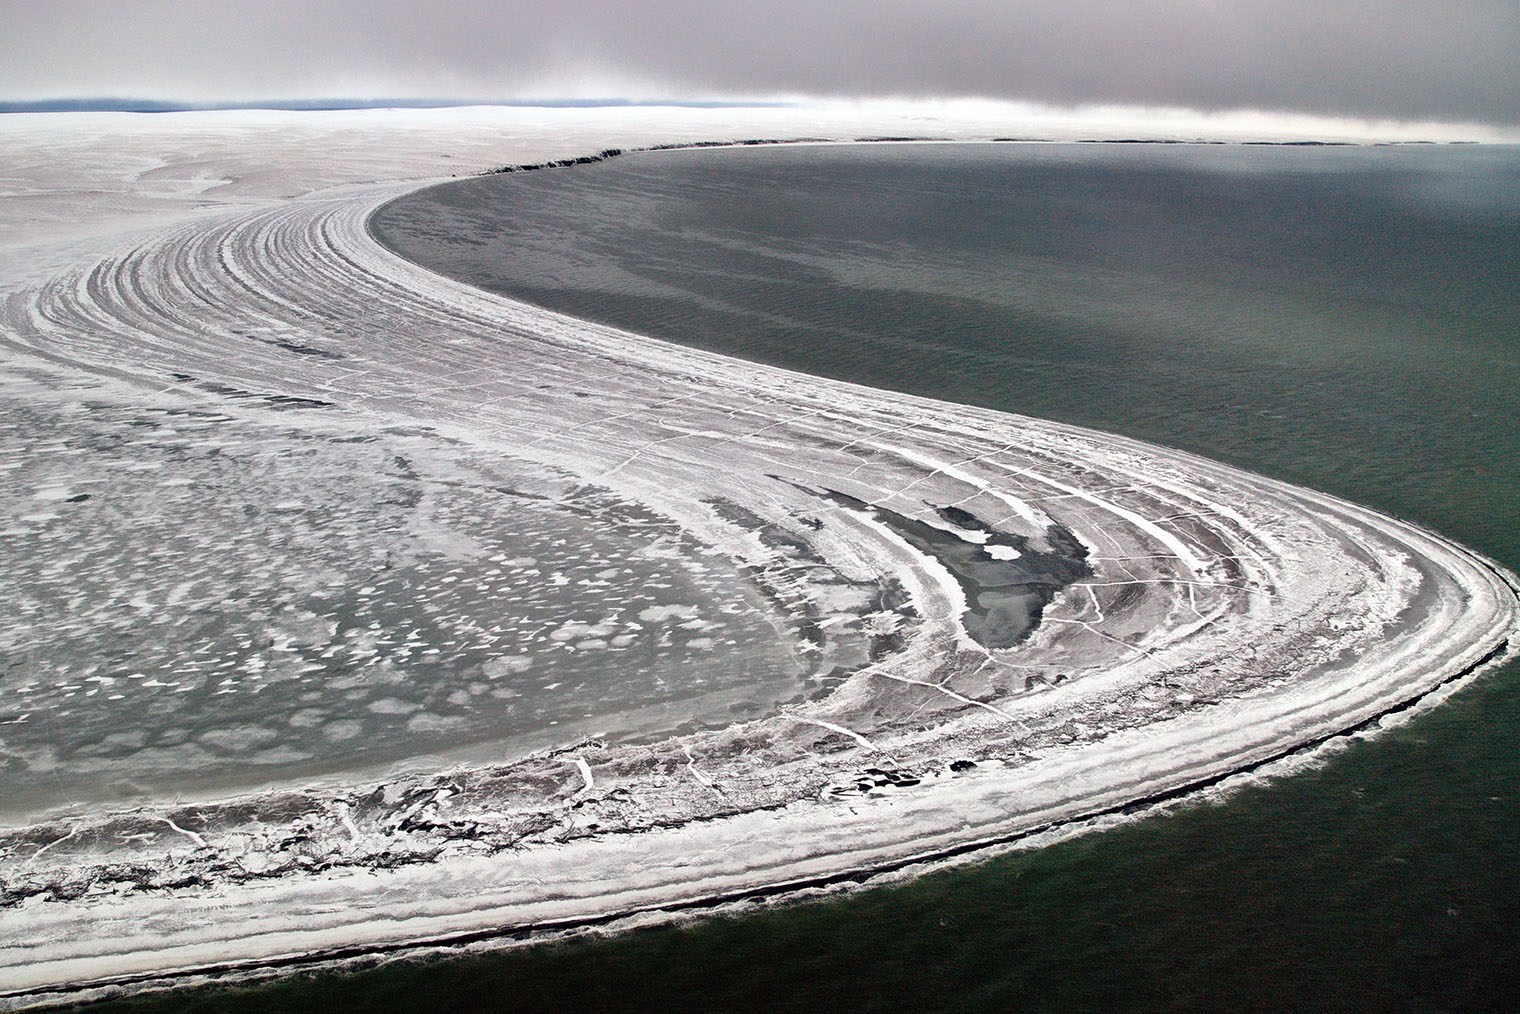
(1343, 318)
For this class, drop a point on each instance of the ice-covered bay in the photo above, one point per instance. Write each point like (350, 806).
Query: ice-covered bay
(203, 595)
(429, 467)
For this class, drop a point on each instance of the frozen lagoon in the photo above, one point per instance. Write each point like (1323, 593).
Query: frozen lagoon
(204, 598)
(1133, 688)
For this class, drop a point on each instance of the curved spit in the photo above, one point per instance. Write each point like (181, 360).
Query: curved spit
(1216, 620)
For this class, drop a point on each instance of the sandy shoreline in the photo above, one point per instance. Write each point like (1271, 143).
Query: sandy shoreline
(972, 750)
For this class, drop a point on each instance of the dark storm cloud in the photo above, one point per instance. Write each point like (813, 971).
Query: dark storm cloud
(1448, 59)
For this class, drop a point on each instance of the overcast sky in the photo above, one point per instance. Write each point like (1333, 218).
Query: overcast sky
(1404, 59)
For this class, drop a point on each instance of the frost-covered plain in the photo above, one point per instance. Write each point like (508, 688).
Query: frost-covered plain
(449, 617)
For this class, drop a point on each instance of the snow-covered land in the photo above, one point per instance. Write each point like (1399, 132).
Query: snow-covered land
(211, 370)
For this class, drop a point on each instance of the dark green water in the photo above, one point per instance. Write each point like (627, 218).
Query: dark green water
(1348, 319)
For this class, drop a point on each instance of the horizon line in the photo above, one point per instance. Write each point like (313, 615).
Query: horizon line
(118, 104)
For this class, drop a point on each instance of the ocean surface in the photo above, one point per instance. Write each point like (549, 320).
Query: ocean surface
(1343, 318)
